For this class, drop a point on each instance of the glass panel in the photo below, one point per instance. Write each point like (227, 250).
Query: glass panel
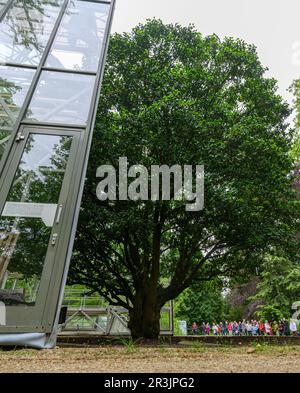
(3, 4)
(28, 216)
(14, 85)
(62, 98)
(26, 29)
(80, 37)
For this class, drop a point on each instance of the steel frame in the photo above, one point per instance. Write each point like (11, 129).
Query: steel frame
(5, 9)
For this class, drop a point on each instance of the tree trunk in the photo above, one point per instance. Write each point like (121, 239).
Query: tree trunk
(144, 318)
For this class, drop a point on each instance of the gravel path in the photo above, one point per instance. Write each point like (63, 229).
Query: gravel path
(120, 359)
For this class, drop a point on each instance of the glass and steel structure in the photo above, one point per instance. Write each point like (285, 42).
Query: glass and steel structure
(52, 57)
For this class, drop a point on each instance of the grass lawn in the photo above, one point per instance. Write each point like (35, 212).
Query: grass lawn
(129, 358)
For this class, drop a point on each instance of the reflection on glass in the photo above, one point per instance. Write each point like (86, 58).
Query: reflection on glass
(14, 85)
(62, 98)
(28, 216)
(2, 4)
(80, 37)
(25, 30)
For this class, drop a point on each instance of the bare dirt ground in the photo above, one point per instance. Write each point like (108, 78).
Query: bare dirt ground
(262, 359)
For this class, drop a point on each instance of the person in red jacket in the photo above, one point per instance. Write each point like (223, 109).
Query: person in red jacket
(230, 327)
(261, 328)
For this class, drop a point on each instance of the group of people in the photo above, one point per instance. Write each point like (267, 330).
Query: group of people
(247, 328)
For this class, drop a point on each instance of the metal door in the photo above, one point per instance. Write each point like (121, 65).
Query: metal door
(36, 186)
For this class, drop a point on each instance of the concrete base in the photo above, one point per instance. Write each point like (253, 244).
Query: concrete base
(94, 339)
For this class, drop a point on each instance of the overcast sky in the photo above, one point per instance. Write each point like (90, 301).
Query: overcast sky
(272, 25)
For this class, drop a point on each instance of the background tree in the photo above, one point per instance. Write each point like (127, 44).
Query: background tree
(295, 151)
(270, 294)
(239, 302)
(278, 289)
(203, 303)
(171, 96)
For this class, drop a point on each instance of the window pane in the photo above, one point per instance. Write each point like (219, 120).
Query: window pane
(3, 4)
(79, 39)
(28, 216)
(14, 85)
(25, 30)
(62, 98)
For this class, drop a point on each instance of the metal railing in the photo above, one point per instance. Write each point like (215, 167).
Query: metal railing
(90, 312)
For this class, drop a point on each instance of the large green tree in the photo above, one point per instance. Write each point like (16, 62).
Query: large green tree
(171, 96)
